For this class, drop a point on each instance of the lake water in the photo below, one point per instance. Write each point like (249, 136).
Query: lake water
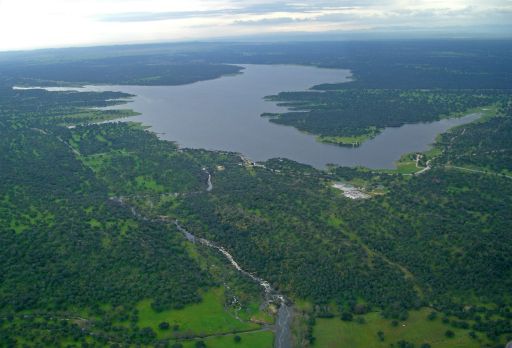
(224, 114)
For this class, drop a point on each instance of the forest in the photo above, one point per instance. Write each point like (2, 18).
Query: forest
(91, 257)
(339, 116)
(126, 70)
(76, 265)
(64, 244)
(386, 64)
(484, 146)
(418, 245)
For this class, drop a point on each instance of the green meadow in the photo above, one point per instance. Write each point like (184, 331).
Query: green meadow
(205, 318)
(417, 329)
(256, 339)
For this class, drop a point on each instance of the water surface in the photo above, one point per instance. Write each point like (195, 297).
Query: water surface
(224, 114)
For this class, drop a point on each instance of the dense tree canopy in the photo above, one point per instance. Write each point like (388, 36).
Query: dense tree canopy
(86, 213)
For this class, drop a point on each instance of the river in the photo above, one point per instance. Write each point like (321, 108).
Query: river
(284, 318)
(284, 315)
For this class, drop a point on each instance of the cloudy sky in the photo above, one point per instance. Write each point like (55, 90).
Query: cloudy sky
(26, 24)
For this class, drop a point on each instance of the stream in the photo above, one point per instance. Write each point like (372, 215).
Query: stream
(209, 182)
(284, 314)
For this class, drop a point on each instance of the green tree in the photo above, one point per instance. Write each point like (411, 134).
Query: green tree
(449, 333)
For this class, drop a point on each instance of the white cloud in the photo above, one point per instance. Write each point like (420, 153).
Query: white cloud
(55, 23)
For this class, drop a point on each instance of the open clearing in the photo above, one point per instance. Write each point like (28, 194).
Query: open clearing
(334, 333)
(208, 317)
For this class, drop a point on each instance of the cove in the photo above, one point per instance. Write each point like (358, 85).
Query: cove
(224, 114)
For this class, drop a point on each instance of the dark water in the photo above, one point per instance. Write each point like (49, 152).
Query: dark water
(283, 325)
(224, 114)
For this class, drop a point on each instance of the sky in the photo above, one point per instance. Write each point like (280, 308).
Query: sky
(29, 24)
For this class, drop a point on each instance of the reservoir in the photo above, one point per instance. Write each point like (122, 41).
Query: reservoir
(224, 114)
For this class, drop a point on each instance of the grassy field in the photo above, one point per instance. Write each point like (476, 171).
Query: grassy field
(355, 140)
(258, 339)
(205, 318)
(407, 167)
(87, 116)
(335, 333)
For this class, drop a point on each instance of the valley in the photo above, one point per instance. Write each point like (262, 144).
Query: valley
(115, 234)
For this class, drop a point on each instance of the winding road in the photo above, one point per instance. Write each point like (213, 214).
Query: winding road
(481, 172)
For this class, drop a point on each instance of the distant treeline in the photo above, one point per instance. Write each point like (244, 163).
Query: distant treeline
(430, 64)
